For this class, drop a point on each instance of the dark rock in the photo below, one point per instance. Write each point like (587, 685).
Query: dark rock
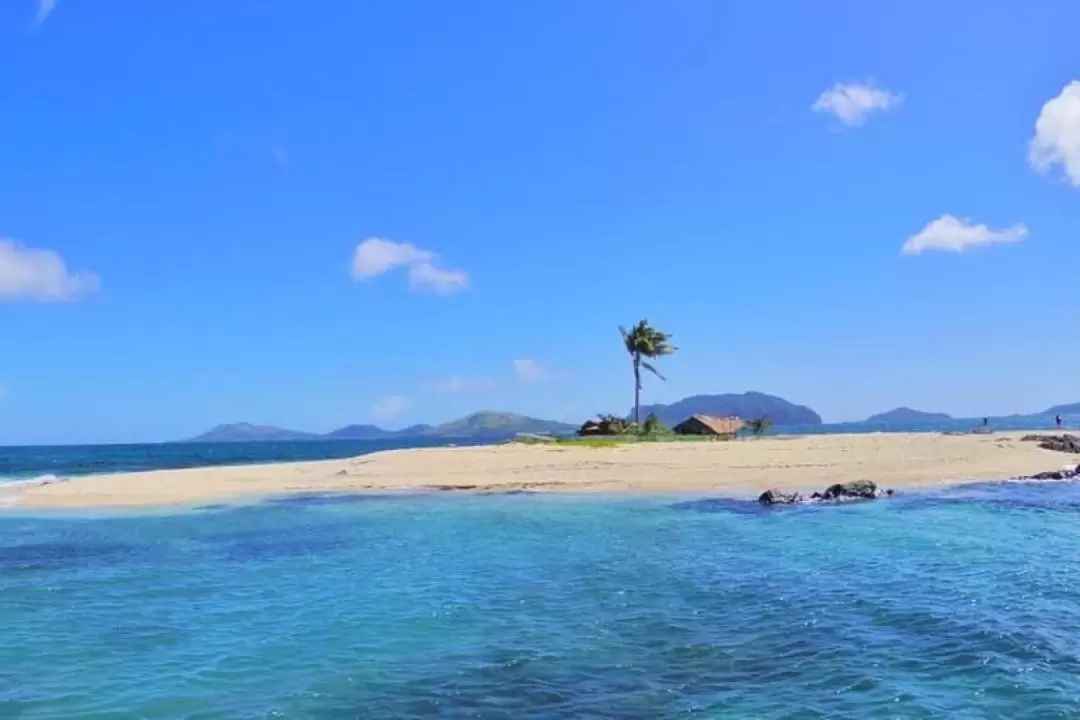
(1051, 475)
(1060, 443)
(775, 497)
(1063, 474)
(859, 490)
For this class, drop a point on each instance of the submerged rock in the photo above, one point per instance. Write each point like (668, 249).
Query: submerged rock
(1060, 443)
(776, 497)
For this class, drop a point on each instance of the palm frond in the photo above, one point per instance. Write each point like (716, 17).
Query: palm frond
(653, 370)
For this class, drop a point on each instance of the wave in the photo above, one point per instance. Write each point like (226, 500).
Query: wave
(47, 479)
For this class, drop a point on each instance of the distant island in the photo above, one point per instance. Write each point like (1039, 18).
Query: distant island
(1070, 409)
(491, 425)
(908, 415)
(478, 426)
(749, 405)
(247, 432)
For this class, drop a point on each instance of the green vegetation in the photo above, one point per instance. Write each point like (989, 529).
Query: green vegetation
(653, 426)
(597, 442)
(643, 342)
(606, 425)
(611, 441)
(759, 426)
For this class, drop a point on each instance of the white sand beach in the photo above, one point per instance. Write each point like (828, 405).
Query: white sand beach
(741, 468)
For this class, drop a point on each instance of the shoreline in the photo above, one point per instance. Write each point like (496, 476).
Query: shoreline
(737, 469)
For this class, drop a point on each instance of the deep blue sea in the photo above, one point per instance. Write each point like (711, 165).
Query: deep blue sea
(23, 463)
(958, 603)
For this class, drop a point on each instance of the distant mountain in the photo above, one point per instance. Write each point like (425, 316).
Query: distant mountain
(1071, 409)
(748, 405)
(374, 432)
(359, 432)
(907, 415)
(478, 426)
(414, 430)
(246, 432)
(497, 424)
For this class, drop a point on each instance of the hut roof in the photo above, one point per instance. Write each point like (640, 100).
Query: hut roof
(720, 426)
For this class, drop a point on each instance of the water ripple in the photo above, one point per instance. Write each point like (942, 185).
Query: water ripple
(947, 605)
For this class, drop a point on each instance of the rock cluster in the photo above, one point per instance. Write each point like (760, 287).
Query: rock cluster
(1063, 474)
(858, 490)
(1061, 443)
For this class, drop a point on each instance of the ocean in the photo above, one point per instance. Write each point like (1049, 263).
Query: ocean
(957, 603)
(26, 463)
(960, 603)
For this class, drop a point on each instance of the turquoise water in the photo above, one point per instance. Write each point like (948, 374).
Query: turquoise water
(960, 604)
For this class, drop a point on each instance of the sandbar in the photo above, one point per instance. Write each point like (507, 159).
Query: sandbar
(740, 468)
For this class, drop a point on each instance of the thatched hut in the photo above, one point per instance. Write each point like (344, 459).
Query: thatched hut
(727, 427)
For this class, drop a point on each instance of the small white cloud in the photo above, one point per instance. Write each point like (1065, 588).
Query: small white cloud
(45, 8)
(952, 234)
(529, 371)
(456, 385)
(851, 103)
(390, 406)
(426, 277)
(1057, 135)
(29, 274)
(377, 256)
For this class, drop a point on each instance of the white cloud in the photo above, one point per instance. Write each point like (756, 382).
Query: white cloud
(952, 234)
(377, 256)
(1057, 134)
(851, 103)
(29, 274)
(456, 385)
(426, 277)
(45, 8)
(390, 406)
(529, 371)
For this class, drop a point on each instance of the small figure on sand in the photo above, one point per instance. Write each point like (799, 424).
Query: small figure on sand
(1057, 421)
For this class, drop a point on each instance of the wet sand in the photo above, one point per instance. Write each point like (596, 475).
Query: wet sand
(742, 468)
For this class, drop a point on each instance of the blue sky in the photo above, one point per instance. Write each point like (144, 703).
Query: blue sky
(186, 190)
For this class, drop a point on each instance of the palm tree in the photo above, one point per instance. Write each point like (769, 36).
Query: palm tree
(645, 341)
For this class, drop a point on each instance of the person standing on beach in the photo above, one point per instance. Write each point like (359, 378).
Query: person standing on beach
(1057, 421)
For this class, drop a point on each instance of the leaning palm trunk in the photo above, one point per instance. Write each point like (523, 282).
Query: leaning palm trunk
(637, 391)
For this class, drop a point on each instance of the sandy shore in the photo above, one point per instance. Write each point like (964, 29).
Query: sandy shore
(743, 468)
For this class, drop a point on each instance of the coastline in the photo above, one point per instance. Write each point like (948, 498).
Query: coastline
(740, 469)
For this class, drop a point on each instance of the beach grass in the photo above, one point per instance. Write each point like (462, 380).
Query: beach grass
(602, 441)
